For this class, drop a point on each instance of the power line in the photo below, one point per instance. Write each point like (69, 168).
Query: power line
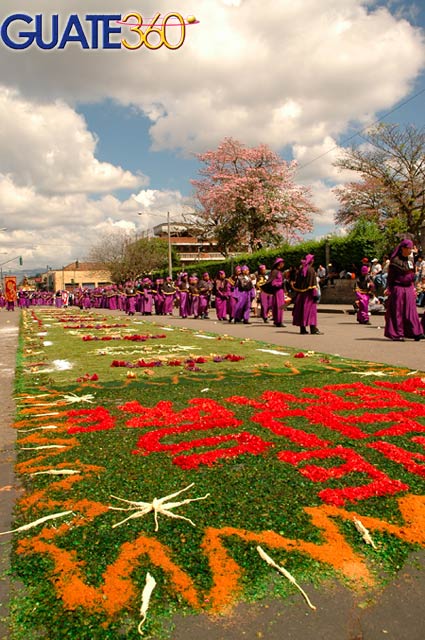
(359, 133)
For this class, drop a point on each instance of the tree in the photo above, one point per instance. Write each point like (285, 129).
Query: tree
(391, 191)
(248, 197)
(129, 259)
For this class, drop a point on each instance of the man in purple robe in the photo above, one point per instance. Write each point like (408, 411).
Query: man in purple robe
(205, 290)
(401, 317)
(304, 313)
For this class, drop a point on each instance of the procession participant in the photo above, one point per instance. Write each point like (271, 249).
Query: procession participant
(131, 298)
(220, 296)
(86, 299)
(276, 286)
(97, 298)
(305, 307)
(169, 292)
(401, 317)
(65, 298)
(363, 288)
(146, 297)
(183, 294)
(246, 292)
(2, 299)
(10, 295)
(264, 299)
(232, 293)
(194, 296)
(122, 298)
(205, 290)
(111, 298)
(158, 296)
(58, 299)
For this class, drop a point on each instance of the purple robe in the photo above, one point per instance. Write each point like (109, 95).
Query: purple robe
(305, 307)
(232, 298)
(278, 297)
(245, 295)
(401, 316)
(220, 299)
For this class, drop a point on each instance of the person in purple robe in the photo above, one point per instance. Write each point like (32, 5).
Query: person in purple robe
(194, 296)
(275, 286)
(264, 300)
(220, 296)
(246, 292)
(169, 293)
(146, 305)
(131, 298)
(183, 294)
(58, 299)
(401, 316)
(112, 298)
(363, 288)
(232, 293)
(158, 296)
(205, 291)
(304, 313)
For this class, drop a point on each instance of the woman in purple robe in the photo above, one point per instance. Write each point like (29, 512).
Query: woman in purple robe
(304, 313)
(401, 317)
(363, 288)
(220, 296)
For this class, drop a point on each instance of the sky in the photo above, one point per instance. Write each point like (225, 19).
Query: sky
(98, 139)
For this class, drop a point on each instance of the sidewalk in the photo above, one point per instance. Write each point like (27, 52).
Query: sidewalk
(9, 326)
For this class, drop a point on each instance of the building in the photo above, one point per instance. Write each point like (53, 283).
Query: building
(84, 275)
(189, 248)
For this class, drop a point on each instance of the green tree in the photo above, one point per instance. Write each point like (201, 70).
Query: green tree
(129, 259)
(391, 189)
(248, 197)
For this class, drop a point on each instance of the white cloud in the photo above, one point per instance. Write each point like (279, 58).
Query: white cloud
(289, 74)
(50, 147)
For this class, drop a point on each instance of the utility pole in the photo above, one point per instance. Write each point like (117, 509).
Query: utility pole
(170, 261)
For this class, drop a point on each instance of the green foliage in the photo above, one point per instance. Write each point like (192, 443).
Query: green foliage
(364, 240)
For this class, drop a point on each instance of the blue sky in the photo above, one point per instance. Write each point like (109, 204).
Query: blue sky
(90, 138)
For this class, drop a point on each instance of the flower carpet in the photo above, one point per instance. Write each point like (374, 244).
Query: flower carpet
(166, 471)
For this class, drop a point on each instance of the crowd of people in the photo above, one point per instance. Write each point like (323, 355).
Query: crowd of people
(264, 293)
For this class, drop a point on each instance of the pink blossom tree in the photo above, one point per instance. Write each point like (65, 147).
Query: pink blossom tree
(248, 196)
